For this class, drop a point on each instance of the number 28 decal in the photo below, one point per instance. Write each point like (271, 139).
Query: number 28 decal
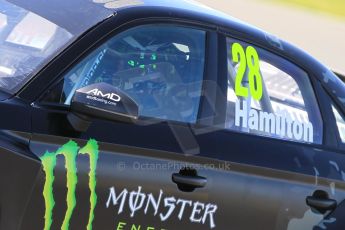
(248, 60)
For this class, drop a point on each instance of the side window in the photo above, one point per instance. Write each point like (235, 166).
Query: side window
(159, 66)
(340, 123)
(270, 96)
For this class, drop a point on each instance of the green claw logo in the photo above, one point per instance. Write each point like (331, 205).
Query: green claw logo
(70, 151)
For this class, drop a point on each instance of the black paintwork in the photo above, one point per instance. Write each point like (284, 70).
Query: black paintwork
(266, 184)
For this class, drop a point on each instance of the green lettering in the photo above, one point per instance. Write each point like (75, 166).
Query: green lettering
(121, 225)
(254, 75)
(134, 227)
(238, 56)
(248, 59)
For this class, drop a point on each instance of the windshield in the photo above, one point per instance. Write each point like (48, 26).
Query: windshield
(27, 41)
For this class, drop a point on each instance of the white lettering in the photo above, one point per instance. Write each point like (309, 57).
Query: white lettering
(93, 92)
(170, 203)
(289, 125)
(197, 212)
(280, 124)
(183, 205)
(267, 122)
(136, 201)
(115, 97)
(253, 121)
(308, 132)
(210, 211)
(100, 94)
(298, 130)
(241, 113)
(155, 203)
(197, 208)
(112, 197)
(110, 96)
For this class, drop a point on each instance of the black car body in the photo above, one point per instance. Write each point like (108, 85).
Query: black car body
(163, 115)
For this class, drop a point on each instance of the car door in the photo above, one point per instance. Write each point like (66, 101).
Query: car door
(180, 165)
(127, 175)
(272, 136)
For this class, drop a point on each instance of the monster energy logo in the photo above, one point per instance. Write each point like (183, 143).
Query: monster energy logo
(70, 151)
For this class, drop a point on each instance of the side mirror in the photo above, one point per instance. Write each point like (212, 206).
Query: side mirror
(101, 101)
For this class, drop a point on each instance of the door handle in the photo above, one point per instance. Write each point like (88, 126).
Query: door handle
(190, 181)
(321, 202)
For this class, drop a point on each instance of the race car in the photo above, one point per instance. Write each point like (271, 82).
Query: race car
(152, 115)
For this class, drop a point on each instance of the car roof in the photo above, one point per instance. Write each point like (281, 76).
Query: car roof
(78, 16)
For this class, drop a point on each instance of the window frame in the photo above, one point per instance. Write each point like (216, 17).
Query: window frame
(210, 32)
(340, 113)
(333, 139)
(223, 46)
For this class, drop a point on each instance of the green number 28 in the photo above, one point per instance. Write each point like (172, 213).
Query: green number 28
(248, 59)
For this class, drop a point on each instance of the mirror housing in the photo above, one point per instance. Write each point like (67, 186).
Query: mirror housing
(101, 101)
